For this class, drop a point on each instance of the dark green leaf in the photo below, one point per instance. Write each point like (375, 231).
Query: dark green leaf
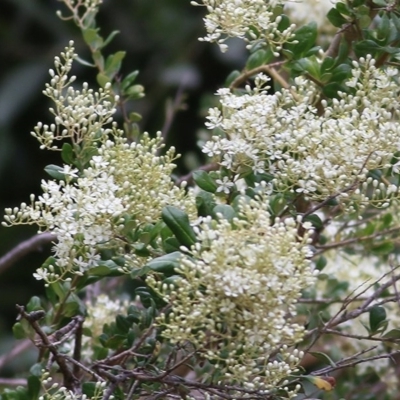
(231, 77)
(340, 73)
(335, 18)
(204, 181)
(128, 80)
(34, 386)
(327, 64)
(365, 47)
(67, 153)
(178, 222)
(383, 248)
(166, 264)
(331, 90)
(344, 9)
(258, 58)
(171, 244)
(392, 334)
(321, 263)
(377, 316)
(306, 37)
(139, 272)
(315, 220)
(205, 203)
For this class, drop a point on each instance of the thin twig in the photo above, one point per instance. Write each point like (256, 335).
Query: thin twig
(34, 243)
(357, 239)
(19, 348)
(70, 381)
(13, 382)
(268, 69)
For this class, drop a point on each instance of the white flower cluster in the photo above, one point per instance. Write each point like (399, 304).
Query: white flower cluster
(237, 293)
(80, 115)
(101, 311)
(86, 210)
(252, 20)
(306, 11)
(53, 391)
(318, 155)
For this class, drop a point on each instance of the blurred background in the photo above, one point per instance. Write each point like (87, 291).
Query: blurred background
(161, 41)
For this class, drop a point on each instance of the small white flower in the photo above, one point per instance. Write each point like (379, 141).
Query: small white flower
(224, 185)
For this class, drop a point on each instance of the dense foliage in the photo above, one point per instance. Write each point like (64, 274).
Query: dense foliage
(269, 272)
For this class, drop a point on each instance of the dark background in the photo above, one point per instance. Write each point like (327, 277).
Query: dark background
(161, 40)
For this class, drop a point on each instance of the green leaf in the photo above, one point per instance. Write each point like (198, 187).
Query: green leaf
(98, 59)
(102, 79)
(67, 153)
(365, 47)
(392, 334)
(309, 65)
(105, 268)
(204, 181)
(327, 64)
(306, 37)
(340, 73)
(178, 222)
(377, 319)
(92, 38)
(226, 211)
(134, 92)
(19, 331)
(113, 63)
(205, 203)
(335, 18)
(231, 77)
(165, 264)
(84, 62)
(34, 304)
(55, 172)
(315, 220)
(139, 272)
(323, 357)
(258, 58)
(34, 387)
(171, 244)
(110, 37)
(321, 263)
(344, 9)
(383, 248)
(128, 80)
(134, 117)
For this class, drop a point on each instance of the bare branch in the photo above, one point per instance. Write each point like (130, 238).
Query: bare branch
(35, 243)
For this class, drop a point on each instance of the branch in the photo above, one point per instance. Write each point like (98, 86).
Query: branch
(357, 239)
(16, 351)
(70, 381)
(268, 69)
(35, 243)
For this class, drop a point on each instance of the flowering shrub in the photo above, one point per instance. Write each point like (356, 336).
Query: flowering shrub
(264, 274)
